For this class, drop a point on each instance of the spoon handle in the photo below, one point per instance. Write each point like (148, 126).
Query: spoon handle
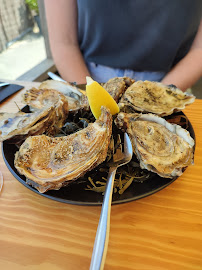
(4, 84)
(102, 235)
(55, 77)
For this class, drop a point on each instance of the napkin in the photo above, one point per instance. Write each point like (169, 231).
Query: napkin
(8, 90)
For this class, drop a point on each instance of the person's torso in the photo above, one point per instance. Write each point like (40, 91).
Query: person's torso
(139, 35)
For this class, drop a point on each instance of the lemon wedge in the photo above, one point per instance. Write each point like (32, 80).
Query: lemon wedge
(98, 97)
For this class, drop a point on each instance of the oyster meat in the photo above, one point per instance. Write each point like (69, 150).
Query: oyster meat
(51, 163)
(154, 97)
(164, 148)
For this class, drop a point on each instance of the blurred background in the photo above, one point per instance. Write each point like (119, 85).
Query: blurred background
(21, 40)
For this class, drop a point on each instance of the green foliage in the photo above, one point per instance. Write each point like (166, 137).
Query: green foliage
(33, 5)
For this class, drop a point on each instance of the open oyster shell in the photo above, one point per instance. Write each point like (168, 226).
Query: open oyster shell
(51, 163)
(117, 86)
(76, 97)
(16, 127)
(65, 88)
(154, 97)
(161, 147)
(50, 113)
(42, 98)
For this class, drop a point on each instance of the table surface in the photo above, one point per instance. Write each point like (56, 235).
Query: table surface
(162, 231)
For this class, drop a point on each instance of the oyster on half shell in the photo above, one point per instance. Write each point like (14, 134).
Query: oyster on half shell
(42, 98)
(76, 97)
(65, 88)
(161, 147)
(51, 163)
(117, 86)
(49, 114)
(154, 97)
(16, 127)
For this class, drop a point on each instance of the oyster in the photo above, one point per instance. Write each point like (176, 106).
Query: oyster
(41, 98)
(16, 127)
(51, 163)
(65, 88)
(154, 97)
(76, 97)
(161, 147)
(51, 110)
(117, 86)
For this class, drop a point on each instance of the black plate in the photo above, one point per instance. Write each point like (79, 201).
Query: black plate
(75, 192)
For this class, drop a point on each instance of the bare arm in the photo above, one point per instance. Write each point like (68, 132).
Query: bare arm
(62, 28)
(189, 69)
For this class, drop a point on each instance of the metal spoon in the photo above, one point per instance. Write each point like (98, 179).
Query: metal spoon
(102, 236)
(55, 77)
